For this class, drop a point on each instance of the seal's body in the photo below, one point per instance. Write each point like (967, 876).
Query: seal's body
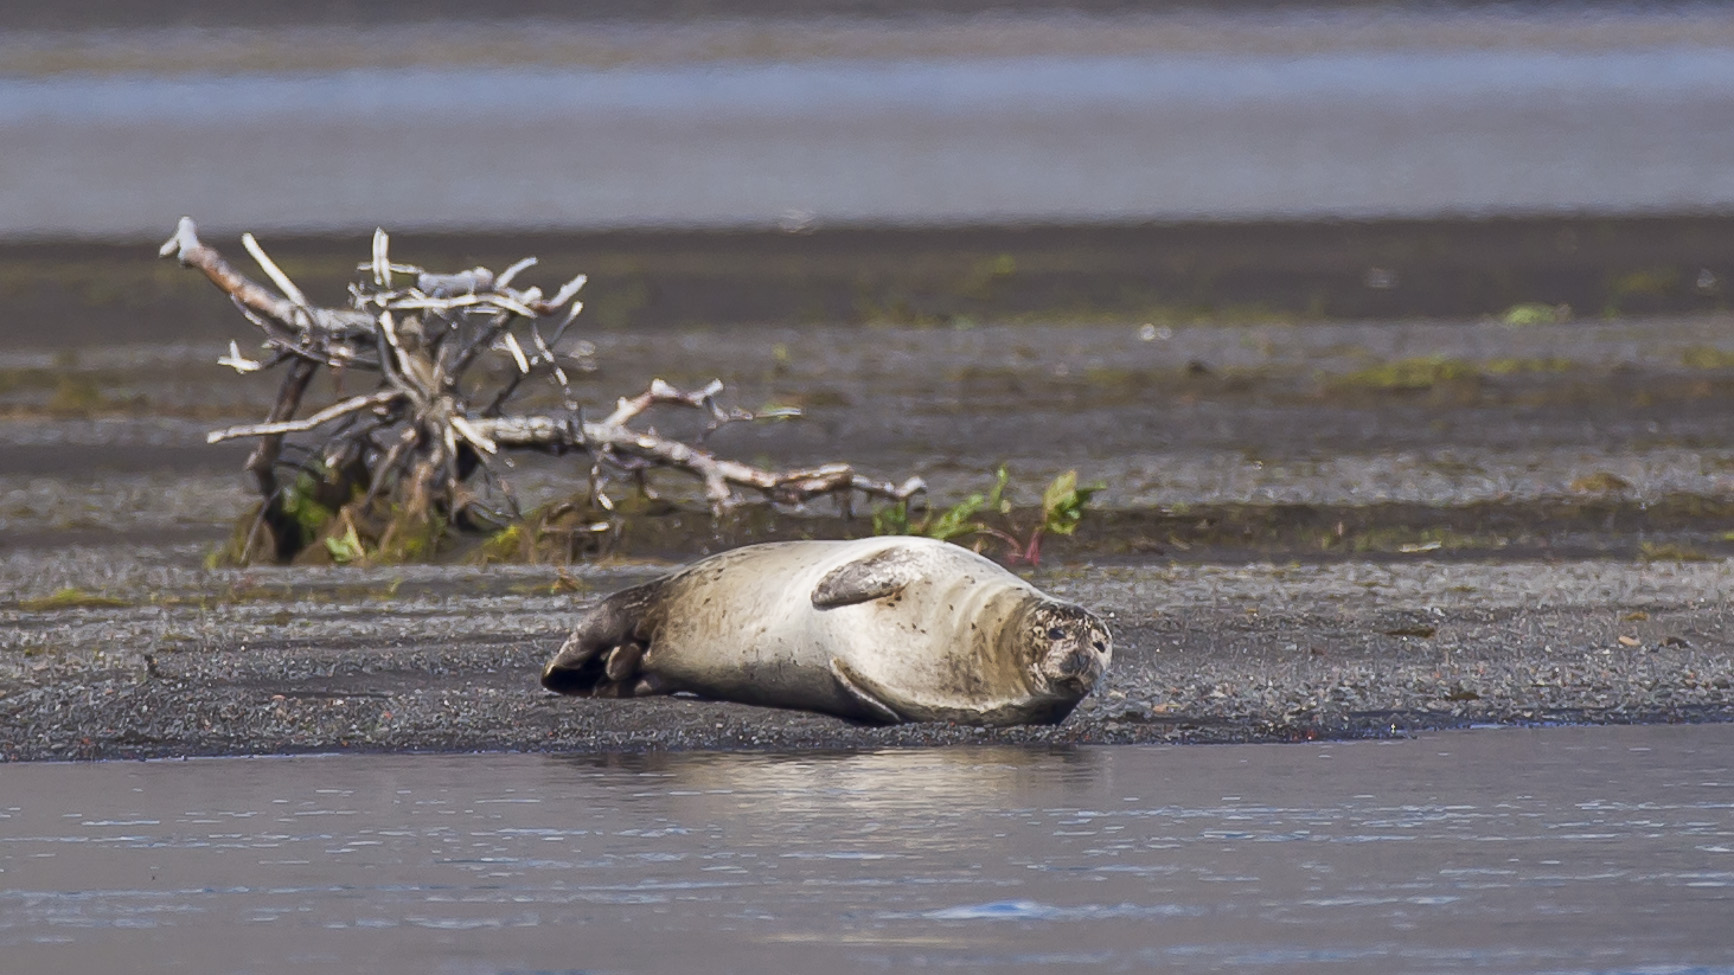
(881, 630)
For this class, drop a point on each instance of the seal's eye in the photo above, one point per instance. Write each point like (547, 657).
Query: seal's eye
(1055, 633)
(1099, 647)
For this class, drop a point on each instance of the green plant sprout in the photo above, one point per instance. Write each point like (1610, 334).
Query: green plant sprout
(991, 515)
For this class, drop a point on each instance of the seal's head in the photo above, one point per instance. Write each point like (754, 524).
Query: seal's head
(1070, 648)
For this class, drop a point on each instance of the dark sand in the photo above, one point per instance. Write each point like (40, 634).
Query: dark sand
(1169, 274)
(446, 658)
(1313, 528)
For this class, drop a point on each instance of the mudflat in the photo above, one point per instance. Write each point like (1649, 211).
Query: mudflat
(446, 658)
(1310, 528)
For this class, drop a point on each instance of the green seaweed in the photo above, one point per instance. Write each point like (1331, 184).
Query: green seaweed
(71, 598)
(1409, 374)
(1706, 357)
(1535, 313)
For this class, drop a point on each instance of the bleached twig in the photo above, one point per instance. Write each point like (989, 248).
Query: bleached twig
(238, 362)
(354, 404)
(186, 247)
(614, 435)
(276, 274)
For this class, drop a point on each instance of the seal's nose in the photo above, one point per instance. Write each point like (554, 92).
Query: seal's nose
(1077, 665)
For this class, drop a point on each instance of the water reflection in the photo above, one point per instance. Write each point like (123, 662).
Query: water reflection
(1562, 850)
(876, 783)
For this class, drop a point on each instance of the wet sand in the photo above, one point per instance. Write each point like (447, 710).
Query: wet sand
(1311, 530)
(104, 296)
(188, 662)
(1470, 465)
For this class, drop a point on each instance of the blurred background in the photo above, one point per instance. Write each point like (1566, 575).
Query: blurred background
(930, 161)
(1235, 252)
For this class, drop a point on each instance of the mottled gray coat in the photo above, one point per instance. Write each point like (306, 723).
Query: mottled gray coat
(881, 630)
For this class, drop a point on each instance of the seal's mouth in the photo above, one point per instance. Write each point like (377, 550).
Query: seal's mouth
(1075, 668)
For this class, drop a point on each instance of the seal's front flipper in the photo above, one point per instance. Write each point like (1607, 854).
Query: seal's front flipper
(866, 579)
(865, 693)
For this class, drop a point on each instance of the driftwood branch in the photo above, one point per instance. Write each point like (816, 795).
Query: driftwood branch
(418, 438)
(332, 412)
(185, 247)
(719, 476)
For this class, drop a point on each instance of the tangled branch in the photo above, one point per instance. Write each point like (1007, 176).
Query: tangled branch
(420, 438)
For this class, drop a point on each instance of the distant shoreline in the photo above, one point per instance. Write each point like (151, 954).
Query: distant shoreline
(99, 15)
(571, 126)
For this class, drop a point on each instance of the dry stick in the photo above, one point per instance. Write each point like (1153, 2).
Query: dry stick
(482, 299)
(396, 365)
(558, 433)
(505, 279)
(546, 354)
(381, 263)
(517, 352)
(287, 340)
(276, 274)
(449, 468)
(261, 463)
(499, 403)
(275, 430)
(626, 410)
(485, 338)
(393, 457)
(185, 247)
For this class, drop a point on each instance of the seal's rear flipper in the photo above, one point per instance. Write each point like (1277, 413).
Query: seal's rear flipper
(604, 654)
(588, 672)
(578, 667)
(864, 693)
(864, 580)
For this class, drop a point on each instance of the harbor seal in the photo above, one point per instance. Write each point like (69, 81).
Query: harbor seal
(880, 630)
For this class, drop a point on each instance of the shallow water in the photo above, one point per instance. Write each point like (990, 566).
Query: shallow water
(1560, 850)
(1420, 124)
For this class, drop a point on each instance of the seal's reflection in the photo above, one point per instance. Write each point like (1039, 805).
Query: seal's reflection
(873, 788)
